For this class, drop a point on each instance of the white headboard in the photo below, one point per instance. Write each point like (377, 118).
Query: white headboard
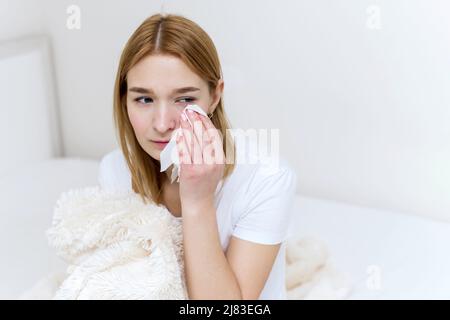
(29, 120)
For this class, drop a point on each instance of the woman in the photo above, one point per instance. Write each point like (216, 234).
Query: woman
(235, 216)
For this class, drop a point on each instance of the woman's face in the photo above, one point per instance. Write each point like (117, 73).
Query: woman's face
(159, 88)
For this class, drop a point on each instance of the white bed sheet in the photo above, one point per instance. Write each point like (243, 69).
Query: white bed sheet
(410, 253)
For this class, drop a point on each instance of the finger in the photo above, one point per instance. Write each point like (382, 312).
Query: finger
(197, 141)
(211, 130)
(186, 137)
(204, 138)
(213, 149)
(214, 138)
(198, 129)
(183, 151)
(207, 122)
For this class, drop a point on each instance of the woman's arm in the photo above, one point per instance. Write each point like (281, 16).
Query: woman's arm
(241, 273)
(208, 273)
(251, 263)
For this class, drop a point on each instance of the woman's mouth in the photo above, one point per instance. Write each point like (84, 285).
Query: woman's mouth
(160, 144)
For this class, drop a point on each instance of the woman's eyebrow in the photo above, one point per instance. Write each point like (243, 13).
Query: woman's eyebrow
(150, 91)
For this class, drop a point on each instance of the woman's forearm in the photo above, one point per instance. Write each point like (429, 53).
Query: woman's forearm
(208, 273)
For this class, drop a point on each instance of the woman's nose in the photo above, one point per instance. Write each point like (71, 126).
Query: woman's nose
(165, 120)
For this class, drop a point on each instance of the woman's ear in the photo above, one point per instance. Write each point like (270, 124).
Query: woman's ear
(217, 95)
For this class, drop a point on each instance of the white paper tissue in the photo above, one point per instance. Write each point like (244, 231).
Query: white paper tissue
(169, 155)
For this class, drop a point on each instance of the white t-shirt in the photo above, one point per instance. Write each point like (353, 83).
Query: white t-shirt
(254, 203)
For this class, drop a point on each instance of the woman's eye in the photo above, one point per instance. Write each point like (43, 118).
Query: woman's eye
(189, 99)
(141, 100)
(147, 100)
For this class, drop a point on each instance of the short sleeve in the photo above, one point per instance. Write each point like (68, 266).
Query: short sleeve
(266, 214)
(113, 172)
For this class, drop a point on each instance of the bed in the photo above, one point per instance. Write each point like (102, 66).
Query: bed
(387, 255)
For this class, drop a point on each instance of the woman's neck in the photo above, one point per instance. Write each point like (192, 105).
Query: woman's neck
(171, 196)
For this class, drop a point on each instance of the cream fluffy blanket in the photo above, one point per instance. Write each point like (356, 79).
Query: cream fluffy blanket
(117, 247)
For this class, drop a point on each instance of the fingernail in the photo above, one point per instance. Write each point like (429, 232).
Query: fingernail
(190, 111)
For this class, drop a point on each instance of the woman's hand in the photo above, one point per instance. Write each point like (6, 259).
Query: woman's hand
(202, 162)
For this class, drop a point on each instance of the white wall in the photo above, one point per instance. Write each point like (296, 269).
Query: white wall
(363, 112)
(19, 18)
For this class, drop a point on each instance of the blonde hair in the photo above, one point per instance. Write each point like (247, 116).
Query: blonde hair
(177, 36)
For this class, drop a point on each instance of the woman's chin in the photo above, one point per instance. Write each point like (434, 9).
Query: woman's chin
(155, 154)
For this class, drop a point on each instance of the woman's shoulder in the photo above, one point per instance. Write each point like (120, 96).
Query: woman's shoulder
(256, 167)
(266, 186)
(271, 176)
(113, 171)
